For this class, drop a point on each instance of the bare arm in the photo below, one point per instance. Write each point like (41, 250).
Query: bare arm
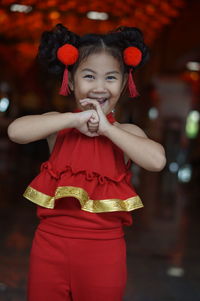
(137, 146)
(131, 140)
(35, 127)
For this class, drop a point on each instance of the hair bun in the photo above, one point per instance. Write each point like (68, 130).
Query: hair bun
(132, 38)
(51, 41)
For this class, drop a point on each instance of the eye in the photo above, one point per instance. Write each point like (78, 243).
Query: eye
(89, 76)
(111, 77)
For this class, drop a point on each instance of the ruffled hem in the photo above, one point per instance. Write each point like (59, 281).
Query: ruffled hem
(87, 204)
(89, 175)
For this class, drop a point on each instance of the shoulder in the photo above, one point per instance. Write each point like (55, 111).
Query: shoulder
(132, 129)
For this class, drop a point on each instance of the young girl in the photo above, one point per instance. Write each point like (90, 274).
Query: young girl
(83, 192)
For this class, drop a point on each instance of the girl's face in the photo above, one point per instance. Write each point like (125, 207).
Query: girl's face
(99, 77)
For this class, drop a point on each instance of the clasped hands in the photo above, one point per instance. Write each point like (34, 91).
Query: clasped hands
(92, 122)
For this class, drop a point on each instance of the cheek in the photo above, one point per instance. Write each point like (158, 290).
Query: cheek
(117, 89)
(81, 87)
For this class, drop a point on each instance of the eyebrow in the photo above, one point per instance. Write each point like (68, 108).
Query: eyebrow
(90, 70)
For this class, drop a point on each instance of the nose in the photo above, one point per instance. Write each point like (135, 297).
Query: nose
(100, 86)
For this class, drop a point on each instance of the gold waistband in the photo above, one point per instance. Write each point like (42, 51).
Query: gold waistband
(94, 206)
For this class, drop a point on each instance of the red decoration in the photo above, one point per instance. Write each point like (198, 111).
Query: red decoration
(64, 90)
(67, 54)
(132, 56)
(131, 85)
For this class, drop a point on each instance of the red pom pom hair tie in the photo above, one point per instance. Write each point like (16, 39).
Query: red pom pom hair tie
(132, 57)
(68, 55)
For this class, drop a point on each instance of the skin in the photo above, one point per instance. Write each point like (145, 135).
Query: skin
(97, 85)
(98, 77)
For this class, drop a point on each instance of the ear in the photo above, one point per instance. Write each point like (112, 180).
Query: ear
(70, 81)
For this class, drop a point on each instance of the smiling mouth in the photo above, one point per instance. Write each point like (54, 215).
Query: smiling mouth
(101, 100)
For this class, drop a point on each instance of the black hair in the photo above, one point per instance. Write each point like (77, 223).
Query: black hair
(113, 42)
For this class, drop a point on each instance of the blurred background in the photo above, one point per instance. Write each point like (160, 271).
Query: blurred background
(163, 245)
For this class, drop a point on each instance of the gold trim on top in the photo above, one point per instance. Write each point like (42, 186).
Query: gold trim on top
(94, 206)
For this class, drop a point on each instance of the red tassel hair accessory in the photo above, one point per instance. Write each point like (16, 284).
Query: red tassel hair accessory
(132, 57)
(68, 55)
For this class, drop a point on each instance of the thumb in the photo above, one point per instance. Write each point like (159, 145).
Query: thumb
(94, 117)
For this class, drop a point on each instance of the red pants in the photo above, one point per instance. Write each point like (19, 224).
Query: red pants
(71, 269)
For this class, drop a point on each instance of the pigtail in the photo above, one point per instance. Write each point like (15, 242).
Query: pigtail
(134, 51)
(51, 41)
(133, 37)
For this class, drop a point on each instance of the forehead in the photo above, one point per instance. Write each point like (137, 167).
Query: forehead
(101, 62)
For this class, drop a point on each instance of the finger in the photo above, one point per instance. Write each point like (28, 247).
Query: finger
(94, 102)
(98, 108)
(85, 116)
(94, 119)
(93, 130)
(86, 101)
(87, 106)
(96, 105)
(93, 124)
(92, 134)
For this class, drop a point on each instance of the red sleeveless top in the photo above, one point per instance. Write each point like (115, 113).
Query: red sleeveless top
(85, 184)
